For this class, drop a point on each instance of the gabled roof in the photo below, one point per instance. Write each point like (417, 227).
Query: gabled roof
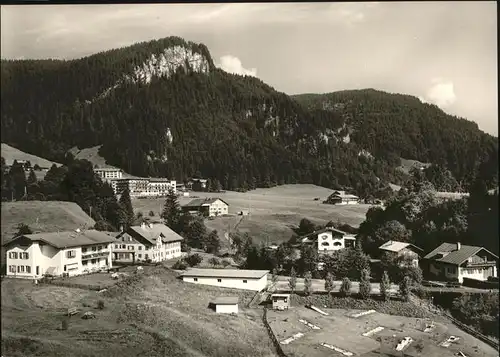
(67, 239)
(394, 246)
(315, 234)
(225, 273)
(454, 256)
(226, 300)
(342, 194)
(198, 202)
(148, 235)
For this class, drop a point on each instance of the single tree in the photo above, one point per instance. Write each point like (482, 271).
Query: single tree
(274, 276)
(151, 214)
(212, 244)
(329, 283)
(193, 260)
(307, 282)
(214, 262)
(305, 227)
(23, 229)
(292, 282)
(32, 180)
(364, 284)
(345, 288)
(385, 286)
(126, 204)
(404, 288)
(171, 211)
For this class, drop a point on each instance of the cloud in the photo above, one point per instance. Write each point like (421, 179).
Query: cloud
(232, 64)
(441, 93)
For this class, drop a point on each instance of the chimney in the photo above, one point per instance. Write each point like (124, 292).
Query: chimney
(143, 225)
(150, 225)
(77, 230)
(459, 245)
(121, 228)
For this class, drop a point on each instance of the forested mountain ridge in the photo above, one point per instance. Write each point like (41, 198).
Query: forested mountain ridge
(397, 125)
(161, 108)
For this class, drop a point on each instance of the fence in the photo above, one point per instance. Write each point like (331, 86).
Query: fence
(276, 343)
(72, 285)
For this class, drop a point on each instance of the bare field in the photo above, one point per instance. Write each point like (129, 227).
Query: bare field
(345, 332)
(273, 211)
(153, 314)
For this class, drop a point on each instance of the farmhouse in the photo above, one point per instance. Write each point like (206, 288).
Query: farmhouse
(58, 253)
(228, 278)
(341, 198)
(402, 249)
(208, 207)
(154, 242)
(330, 239)
(226, 305)
(451, 261)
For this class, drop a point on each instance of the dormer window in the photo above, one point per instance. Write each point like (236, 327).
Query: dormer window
(324, 237)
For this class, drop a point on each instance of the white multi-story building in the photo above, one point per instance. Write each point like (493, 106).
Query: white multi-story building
(107, 173)
(255, 280)
(155, 242)
(136, 186)
(160, 186)
(58, 253)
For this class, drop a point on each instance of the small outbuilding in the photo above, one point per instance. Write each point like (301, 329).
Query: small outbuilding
(226, 305)
(280, 301)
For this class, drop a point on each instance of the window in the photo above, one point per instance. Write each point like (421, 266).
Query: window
(12, 268)
(85, 262)
(146, 256)
(139, 256)
(219, 280)
(20, 268)
(94, 261)
(325, 244)
(245, 281)
(195, 279)
(140, 247)
(337, 244)
(13, 255)
(324, 237)
(28, 269)
(26, 255)
(65, 268)
(117, 246)
(84, 250)
(71, 253)
(94, 249)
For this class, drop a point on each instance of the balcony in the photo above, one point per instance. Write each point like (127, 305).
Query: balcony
(95, 255)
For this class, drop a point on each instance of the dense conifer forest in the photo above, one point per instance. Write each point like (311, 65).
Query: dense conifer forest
(198, 120)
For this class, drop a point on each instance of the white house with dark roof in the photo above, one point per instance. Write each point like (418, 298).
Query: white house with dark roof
(402, 249)
(209, 207)
(342, 198)
(329, 239)
(452, 261)
(255, 280)
(155, 242)
(58, 253)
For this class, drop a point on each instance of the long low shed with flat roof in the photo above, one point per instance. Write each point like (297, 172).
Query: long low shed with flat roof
(255, 280)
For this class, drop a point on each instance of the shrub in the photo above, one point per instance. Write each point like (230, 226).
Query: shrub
(364, 284)
(404, 288)
(274, 276)
(384, 286)
(65, 324)
(151, 214)
(307, 282)
(180, 265)
(345, 288)
(225, 263)
(214, 261)
(329, 282)
(100, 304)
(292, 282)
(193, 260)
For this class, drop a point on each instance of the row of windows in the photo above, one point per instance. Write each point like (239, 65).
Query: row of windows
(220, 280)
(20, 269)
(93, 249)
(20, 255)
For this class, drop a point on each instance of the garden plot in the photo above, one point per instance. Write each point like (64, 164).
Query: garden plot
(363, 313)
(374, 334)
(314, 327)
(447, 343)
(293, 338)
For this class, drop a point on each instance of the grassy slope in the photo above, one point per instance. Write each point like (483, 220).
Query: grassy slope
(274, 211)
(51, 215)
(10, 154)
(92, 154)
(158, 315)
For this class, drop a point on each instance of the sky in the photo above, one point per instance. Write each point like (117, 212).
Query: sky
(442, 52)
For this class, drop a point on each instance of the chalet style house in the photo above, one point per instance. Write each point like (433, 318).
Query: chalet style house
(341, 198)
(208, 207)
(402, 249)
(329, 239)
(455, 261)
(147, 242)
(58, 253)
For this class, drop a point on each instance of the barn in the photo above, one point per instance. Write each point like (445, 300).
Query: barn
(255, 280)
(226, 305)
